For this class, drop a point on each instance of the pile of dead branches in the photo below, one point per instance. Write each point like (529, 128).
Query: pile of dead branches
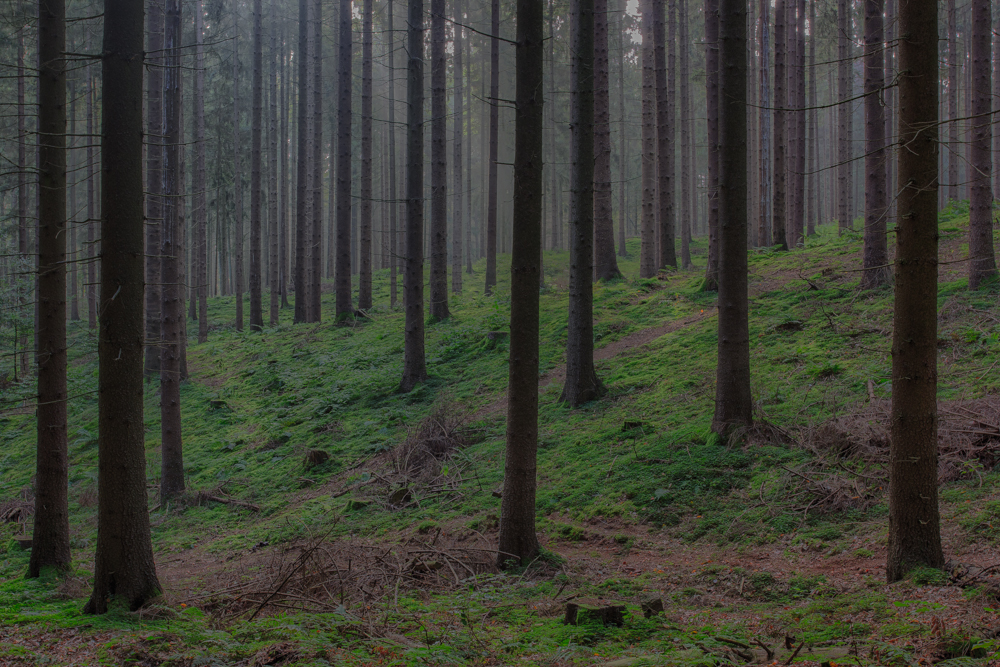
(351, 578)
(432, 441)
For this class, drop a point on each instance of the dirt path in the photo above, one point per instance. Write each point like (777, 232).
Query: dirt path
(621, 346)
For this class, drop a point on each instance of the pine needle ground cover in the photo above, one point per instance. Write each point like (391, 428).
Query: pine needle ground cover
(330, 519)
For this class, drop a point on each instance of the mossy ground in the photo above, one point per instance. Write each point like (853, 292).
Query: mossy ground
(661, 506)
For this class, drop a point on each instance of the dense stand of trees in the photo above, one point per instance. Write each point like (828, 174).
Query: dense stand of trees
(757, 120)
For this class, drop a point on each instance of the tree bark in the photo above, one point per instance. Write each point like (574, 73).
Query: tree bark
(914, 520)
(439, 166)
(124, 565)
(200, 208)
(365, 245)
(605, 263)
(154, 182)
(733, 407)
(764, 227)
(517, 510)
(647, 248)
(712, 133)
(582, 384)
(274, 217)
(983, 265)
(50, 537)
(171, 308)
(72, 169)
(237, 176)
(316, 183)
(665, 138)
(813, 194)
(283, 186)
(491, 210)
(414, 364)
(954, 147)
(622, 157)
(780, 206)
(91, 204)
(457, 224)
(844, 139)
(393, 204)
(345, 307)
(876, 252)
(256, 121)
(302, 283)
(686, 137)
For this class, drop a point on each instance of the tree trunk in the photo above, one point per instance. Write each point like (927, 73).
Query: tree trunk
(712, 124)
(778, 220)
(914, 520)
(22, 203)
(876, 252)
(582, 384)
(365, 245)
(72, 170)
(686, 137)
(237, 175)
(983, 263)
(605, 263)
(491, 211)
(274, 217)
(457, 226)
(665, 136)
(733, 407)
(764, 220)
(393, 204)
(345, 306)
(954, 147)
(439, 166)
(812, 143)
(171, 308)
(91, 206)
(622, 157)
(517, 510)
(844, 152)
(799, 168)
(315, 240)
(414, 364)
(257, 111)
(301, 179)
(154, 183)
(283, 185)
(50, 538)
(200, 208)
(124, 565)
(647, 249)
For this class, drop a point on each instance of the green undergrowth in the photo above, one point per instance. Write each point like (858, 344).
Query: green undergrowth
(638, 463)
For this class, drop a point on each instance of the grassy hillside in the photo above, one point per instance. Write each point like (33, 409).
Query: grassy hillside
(386, 543)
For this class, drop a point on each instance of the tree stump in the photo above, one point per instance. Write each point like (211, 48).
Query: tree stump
(651, 606)
(606, 613)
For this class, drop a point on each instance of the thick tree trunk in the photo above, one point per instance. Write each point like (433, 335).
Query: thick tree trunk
(414, 364)
(439, 165)
(343, 280)
(124, 565)
(491, 210)
(171, 308)
(456, 215)
(154, 182)
(665, 138)
(712, 123)
(50, 538)
(517, 510)
(200, 208)
(302, 226)
(647, 248)
(274, 217)
(582, 384)
(365, 240)
(733, 407)
(605, 263)
(686, 137)
(983, 263)
(256, 120)
(914, 520)
(393, 204)
(876, 252)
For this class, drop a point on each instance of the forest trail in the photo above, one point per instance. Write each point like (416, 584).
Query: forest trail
(618, 347)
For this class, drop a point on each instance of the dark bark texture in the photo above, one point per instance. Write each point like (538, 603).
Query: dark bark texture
(876, 251)
(982, 263)
(343, 278)
(439, 166)
(605, 262)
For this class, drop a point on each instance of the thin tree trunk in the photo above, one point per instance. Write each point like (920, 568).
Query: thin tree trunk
(345, 306)
(72, 163)
(124, 565)
(876, 252)
(439, 166)
(582, 384)
(712, 134)
(316, 157)
(414, 364)
(393, 204)
(456, 215)
(983, 265)
(491, 210)
(200, 208)
(154, 183)
(665, 137)
(301, 185)
(813, 205)
(622, 157)
(284, 229)
(22, 200)
(365, 245)
(468, 161)
(844, 152)
(171, 309)
(733, 407)
(50, 537)
(764, 227)
(686, 137)
(274, 217)
(914, 519)
(779, 214)
(256, 120)
(237, 175)
(605, 263)
(798, 189)
(91, 205)
(954, 147)
(517, 511)
(647, 251)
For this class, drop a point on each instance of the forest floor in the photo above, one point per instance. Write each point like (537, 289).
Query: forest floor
(330, 520)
